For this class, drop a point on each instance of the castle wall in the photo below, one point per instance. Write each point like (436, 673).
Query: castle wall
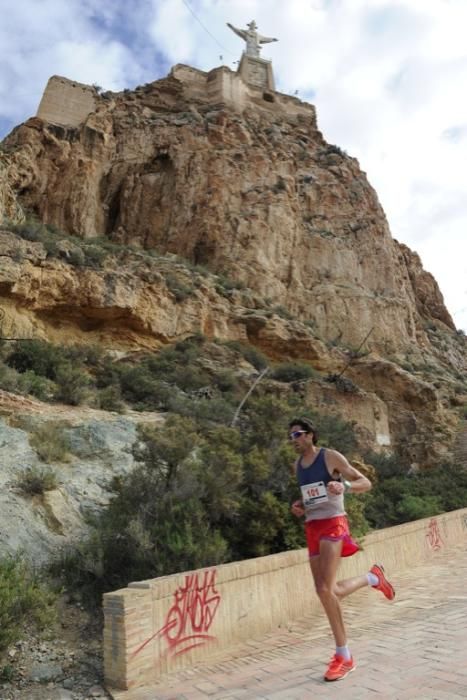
(221, 85)
(69, 103)
(66, 102)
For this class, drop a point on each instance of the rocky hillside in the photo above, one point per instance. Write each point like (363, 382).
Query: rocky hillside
(259, 196)
(170, 216)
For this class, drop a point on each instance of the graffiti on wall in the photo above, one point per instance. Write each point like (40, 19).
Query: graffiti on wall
(191, 615)
(433, 535)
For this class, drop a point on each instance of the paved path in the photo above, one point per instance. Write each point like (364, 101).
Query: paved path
(413, 648)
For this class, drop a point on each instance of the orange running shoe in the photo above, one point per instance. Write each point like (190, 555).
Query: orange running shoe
(383, 584)
(339, 668)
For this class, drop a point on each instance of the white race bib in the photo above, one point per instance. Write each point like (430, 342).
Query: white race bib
(312, 494)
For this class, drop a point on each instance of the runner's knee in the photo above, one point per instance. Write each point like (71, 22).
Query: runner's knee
(338, 591)
(324, 590)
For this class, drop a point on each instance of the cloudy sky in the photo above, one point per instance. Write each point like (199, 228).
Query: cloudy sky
(388, 78)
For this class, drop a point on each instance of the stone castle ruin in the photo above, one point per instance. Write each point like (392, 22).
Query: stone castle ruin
(68, 103)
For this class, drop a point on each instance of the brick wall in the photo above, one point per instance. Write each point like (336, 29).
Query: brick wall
(158, 626)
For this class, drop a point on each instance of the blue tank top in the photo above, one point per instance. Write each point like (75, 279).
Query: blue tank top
(313, 481)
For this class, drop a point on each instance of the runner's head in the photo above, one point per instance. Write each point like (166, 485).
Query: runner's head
(303, 424)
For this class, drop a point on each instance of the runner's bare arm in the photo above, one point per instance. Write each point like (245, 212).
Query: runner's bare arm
(297, 506)
(337, 463)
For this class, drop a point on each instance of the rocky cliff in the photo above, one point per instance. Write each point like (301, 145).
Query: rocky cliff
(258, 195)
(242, 225)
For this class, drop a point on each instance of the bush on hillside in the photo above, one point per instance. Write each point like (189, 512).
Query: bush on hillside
(293, 372)
(251, 354)
(336, 433)
(110, 399)
(24, 600)
(40, 357)
(157, 523)
(400, 496)
(50, 442)
(35, 481)
(72, 384)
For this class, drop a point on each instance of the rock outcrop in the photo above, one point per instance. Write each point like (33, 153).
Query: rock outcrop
(259, 195)
(10, 209)
(100, 448)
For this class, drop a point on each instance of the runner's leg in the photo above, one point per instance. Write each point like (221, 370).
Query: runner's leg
(350, 585)
(324, 569)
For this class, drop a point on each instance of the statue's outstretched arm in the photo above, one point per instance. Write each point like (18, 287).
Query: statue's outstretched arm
(241, 32)
(266, 39)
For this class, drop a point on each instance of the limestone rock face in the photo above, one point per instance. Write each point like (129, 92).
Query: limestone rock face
(258, 195)
(9, 206)
(101, 447)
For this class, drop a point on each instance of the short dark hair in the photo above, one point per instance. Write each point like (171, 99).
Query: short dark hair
(306, 425)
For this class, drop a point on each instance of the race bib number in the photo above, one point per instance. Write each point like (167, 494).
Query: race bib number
(312, 494)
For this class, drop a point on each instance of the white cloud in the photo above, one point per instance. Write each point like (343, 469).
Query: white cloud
(52, 37)
(387, 77)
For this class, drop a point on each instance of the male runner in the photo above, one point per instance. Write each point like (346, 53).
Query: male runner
(324, 476)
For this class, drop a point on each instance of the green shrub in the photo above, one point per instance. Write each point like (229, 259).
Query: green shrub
(205, 411)
(283, 313)
(337, 433)
(31, 383)
(251, 354)
(413, 507)
(40, 357)
(27, 382)
(50, 442)
(76, 257)
(35, 481)
(110, 399)
(10, 379)
(82, 253)
(265, 421)
(7, 673)
(264, 518)
(178, 287)
(89, 355)
(94, 255)
(190, 378)
(108, 372)
(150, 383)
(226, 286)
(225, 381)
(30, 230)
(142, 389)
(24, 600)
(72, 384)
(400, 496)
(293, 372)
(51, 247)
(157, 523)
(355, 509)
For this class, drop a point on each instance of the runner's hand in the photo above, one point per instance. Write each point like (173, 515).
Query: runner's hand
(335, 488)
(297, 509)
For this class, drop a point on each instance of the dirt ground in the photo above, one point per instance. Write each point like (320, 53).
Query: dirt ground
(63, 662)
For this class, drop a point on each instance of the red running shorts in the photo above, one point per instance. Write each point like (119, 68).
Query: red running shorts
(333, 529)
